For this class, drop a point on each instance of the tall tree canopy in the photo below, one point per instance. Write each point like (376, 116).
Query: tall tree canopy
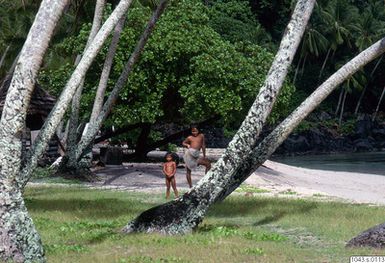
(187, 72)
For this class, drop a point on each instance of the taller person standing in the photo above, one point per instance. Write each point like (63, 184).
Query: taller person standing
(194, 143)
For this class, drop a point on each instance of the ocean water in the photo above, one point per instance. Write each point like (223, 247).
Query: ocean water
(371, 163)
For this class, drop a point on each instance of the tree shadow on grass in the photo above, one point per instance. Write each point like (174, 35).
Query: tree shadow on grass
(83, 208)
(280, 212)
(270, 209)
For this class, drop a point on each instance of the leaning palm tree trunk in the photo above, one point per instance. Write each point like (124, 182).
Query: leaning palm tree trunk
(267, 147)
(184, 214)
(324, 64)
(297, 68)
(3, 56)
(74, 118)
(62, 103)
(82, 166)
(360, 100)
(339, 102)
(99, 98)
(366, 86)
(342, 107)
(19, 241)
(95, 125)
(378, 104)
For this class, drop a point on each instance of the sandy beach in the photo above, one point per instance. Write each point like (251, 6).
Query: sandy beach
(352, 187)
(276, 178)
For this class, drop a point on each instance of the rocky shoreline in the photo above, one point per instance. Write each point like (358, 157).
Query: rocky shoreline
(365, 136)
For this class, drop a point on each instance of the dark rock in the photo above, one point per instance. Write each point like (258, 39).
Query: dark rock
(323, 116)
(362, 145)
(373, 237)
(363, 126)
(315, 137)
(378, 134)
(298, 144)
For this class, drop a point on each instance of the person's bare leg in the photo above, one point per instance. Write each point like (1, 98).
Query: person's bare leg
(188, 177)
(206, 163)
(173, 184)
(168, 188)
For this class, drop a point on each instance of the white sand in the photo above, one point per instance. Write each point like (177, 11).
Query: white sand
(279, 179)
(354, 187)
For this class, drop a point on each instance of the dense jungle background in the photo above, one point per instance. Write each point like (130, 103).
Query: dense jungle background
(206, 62)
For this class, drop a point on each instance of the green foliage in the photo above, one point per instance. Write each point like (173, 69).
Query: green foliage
(348, 126)
(55, 80)
(234, 21)
(171, 147)
(224, 231)
(16, 17)
(304, 126)
(40, 172)
(264, 236)
(187, 72)
(228, 132)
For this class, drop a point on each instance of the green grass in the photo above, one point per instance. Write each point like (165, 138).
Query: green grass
(288, 192)
(82, 225)
(244, 188)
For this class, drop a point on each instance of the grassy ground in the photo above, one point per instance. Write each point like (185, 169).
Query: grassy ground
(81, 225)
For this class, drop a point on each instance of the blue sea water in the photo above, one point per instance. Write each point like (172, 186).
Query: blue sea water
(371, 163)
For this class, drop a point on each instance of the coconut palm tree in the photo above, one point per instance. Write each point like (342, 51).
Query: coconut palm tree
(65, 98)
(339, 22)
(369, 29)
(314, 41)
(19, 240)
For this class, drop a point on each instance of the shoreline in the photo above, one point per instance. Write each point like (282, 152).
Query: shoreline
(343, 186)
(271, 179)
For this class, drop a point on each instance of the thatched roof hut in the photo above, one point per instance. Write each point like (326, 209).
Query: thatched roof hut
(40, 105)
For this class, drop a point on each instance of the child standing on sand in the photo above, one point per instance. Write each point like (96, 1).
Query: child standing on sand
(169, 170)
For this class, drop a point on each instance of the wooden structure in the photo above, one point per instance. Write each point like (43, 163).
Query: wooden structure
(40, 106)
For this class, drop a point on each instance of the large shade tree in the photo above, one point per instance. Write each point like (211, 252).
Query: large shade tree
(187, 73)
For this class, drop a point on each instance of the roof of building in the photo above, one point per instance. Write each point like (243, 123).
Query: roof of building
(41, 102)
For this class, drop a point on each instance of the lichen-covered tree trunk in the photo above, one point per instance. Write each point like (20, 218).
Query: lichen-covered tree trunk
(95, 125)
(63, 101)
(75, 106)
(86, 162)
(99, 98)
(19, 241)
(190, 209)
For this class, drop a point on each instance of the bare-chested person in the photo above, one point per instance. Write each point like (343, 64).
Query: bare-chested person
(169, 170)
(194, 143)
